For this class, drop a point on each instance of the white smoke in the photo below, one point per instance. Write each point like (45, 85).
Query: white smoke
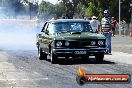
(16, 34)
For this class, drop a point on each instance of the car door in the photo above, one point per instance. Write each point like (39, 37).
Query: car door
(45, 38)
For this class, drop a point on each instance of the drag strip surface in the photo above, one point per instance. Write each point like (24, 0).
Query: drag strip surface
(23, 69)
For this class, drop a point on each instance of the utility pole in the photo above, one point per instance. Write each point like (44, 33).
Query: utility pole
(131, 11)
(119, 17)
(30, 2)
(30, 10)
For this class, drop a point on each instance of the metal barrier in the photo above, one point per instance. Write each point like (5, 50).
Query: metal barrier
(124, 30)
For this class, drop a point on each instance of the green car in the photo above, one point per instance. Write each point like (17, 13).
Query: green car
(70, 38)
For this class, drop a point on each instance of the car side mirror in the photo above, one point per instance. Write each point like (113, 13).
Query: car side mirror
(43, 29)
(40, 35)
(47, 32)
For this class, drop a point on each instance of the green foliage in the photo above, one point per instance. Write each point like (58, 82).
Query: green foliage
(90, 11)
(96, 7)
(48, 10)
(13, 7)
(20, 7)
(72, 8)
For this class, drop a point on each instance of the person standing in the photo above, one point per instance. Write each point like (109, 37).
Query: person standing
(106, 30)
(113, 25)
(37, 25)
(95, 24)
(124, 26)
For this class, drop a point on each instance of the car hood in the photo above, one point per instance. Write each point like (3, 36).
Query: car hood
(77, 36)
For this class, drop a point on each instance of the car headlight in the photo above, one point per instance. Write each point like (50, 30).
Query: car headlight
(59, 44)
(93, 43)
(100, 42)
(67, 43)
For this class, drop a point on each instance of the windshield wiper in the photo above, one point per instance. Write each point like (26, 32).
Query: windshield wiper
(63, 31)
(75, 32)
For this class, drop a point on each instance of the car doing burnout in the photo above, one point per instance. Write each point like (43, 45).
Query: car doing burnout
(70, 38)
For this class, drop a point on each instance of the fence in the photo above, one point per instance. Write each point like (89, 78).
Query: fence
(124, 30)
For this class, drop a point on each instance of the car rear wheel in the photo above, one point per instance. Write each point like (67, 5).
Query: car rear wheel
(99, 57)
(53, 58)
(41, 54)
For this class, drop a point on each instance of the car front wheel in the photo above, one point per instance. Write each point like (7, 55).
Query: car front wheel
(41, 54)
(53, 58)
(99, 57)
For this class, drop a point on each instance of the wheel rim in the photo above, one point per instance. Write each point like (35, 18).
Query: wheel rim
(39, 51)
(51, 56)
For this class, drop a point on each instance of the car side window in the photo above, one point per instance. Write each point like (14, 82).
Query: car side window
(44, 27)
(47, 29)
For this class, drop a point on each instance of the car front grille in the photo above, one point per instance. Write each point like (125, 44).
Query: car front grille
(81, 44)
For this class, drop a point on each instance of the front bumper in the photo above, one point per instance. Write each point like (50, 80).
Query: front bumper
(72, 52)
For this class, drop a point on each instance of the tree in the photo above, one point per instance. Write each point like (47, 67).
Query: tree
(31, 7)
(90, 11)
(70, 7)
(14, 7)
(59, 10)
(46, 9)
(21, 7)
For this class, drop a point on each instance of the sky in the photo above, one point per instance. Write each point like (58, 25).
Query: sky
(51, 1)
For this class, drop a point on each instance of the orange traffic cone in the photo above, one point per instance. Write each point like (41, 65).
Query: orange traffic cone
(130, 35)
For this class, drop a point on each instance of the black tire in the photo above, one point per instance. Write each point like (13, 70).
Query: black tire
(81, 80)
(53, 58)
(99, 57)
(41, 54)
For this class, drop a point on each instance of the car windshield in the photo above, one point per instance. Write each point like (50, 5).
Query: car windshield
(71, 27)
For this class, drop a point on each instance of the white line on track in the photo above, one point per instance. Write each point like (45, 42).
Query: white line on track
(24, 79)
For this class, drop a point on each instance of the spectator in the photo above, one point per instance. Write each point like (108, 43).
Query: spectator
(124, 27)
(37, 25)
(106, 30)
(113, 25)
(85, 18)
(95, 24)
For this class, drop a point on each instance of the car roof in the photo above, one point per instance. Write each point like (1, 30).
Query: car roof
(68, 20)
